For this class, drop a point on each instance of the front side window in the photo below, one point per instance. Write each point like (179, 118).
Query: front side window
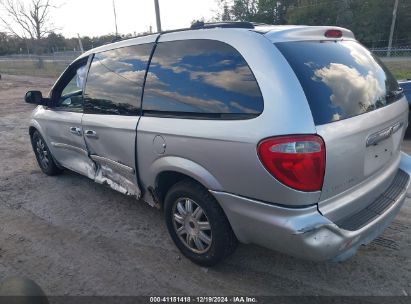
(76, 83)
(68, 94)
(201, 78)
(115, 80)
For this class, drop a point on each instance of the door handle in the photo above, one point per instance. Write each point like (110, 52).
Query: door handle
(75, 130)
(90, 133)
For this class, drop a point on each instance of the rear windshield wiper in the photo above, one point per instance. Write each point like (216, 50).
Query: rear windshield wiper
(394, 95)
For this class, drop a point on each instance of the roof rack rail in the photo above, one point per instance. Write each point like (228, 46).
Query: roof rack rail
(229, 24)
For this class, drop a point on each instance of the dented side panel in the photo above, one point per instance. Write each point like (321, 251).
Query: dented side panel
(124, 184)
(111, 141)
(68, 149)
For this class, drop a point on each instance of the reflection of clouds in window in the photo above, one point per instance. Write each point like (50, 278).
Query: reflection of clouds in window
(201, 76)
(122, 69)
(362, 57)
(177, 49)
(238, 80)
(310, 64)
(162, 91)
(340, 79)
(348, 85)
(114, 85)
(139, 53)
(241, 108)
(193, 103)
(226, 62)
(81, 76)
(336, 117)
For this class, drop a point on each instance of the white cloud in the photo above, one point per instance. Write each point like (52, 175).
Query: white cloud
(239, 80)
(351, 91)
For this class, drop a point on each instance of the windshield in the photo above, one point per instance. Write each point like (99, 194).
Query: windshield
(340, 79)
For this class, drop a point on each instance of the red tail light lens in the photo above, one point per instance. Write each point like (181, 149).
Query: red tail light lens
(333, 34)
(296, 161)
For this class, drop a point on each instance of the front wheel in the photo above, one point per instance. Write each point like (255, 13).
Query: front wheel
(197, 224)
(43, 155)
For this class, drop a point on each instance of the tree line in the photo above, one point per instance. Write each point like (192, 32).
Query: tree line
(28, 29)
(370, 20)
(52, 43)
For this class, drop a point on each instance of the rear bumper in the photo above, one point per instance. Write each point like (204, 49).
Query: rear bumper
(304, 232)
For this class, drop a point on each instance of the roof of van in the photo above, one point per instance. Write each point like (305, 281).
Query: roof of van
(276, 33)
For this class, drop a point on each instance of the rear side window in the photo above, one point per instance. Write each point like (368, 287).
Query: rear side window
(201, 79)
(115, 81)
(340, 79)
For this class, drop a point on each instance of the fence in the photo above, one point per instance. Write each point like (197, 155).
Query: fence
(50, 65)
(53, 64)
(404, 51)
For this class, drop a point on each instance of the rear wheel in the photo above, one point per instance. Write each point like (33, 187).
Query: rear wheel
(43, 155)
(197, 224)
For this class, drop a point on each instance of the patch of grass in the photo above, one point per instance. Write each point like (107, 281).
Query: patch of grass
(401, 67)
(30, 68)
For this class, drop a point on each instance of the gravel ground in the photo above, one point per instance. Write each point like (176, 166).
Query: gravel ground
(75, 237)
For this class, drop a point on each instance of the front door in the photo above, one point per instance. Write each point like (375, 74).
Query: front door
(63, 123)
(112, 106)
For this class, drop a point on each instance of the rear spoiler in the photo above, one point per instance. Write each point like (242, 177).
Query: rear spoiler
(294, 33)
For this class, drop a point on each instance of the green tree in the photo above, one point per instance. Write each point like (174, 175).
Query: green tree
(262, 11)
(370, 20)
(55, 42)
(28, 21)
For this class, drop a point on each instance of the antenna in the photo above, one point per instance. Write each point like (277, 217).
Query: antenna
(115, 17)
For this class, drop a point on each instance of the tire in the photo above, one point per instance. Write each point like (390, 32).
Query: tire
(44, 157)
(203, 235)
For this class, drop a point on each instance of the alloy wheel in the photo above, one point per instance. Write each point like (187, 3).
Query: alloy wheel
(192, 225)
(42, 153)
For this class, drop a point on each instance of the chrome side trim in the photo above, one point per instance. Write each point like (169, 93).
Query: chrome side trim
(112, 163)
(69, 147)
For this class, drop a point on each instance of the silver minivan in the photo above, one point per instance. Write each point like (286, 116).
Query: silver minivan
(286, 137)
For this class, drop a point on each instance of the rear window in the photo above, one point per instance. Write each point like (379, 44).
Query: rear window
(340, 79)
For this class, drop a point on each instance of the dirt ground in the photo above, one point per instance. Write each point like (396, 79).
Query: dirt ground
(75, 237)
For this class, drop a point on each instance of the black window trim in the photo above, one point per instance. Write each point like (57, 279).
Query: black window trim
(74, 65)
(199, 116)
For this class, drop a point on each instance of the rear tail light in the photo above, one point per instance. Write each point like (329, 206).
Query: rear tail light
(333, 34)
(296, 161)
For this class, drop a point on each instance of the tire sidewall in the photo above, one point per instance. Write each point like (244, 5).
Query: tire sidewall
(203, 198)
(52, 168)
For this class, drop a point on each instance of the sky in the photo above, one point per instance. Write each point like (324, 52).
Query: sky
(95, 17)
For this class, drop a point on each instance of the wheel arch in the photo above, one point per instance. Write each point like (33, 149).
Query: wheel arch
(35, 126)
(169, 170)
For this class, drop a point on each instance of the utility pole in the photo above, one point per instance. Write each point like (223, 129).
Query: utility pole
(394, 18)
(157, 15)
(115, 17)
(80, 43)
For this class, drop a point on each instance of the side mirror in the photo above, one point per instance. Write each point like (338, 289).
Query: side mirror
(35, 97)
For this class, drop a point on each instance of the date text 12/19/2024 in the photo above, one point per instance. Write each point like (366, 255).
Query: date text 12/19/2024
(203, 299)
